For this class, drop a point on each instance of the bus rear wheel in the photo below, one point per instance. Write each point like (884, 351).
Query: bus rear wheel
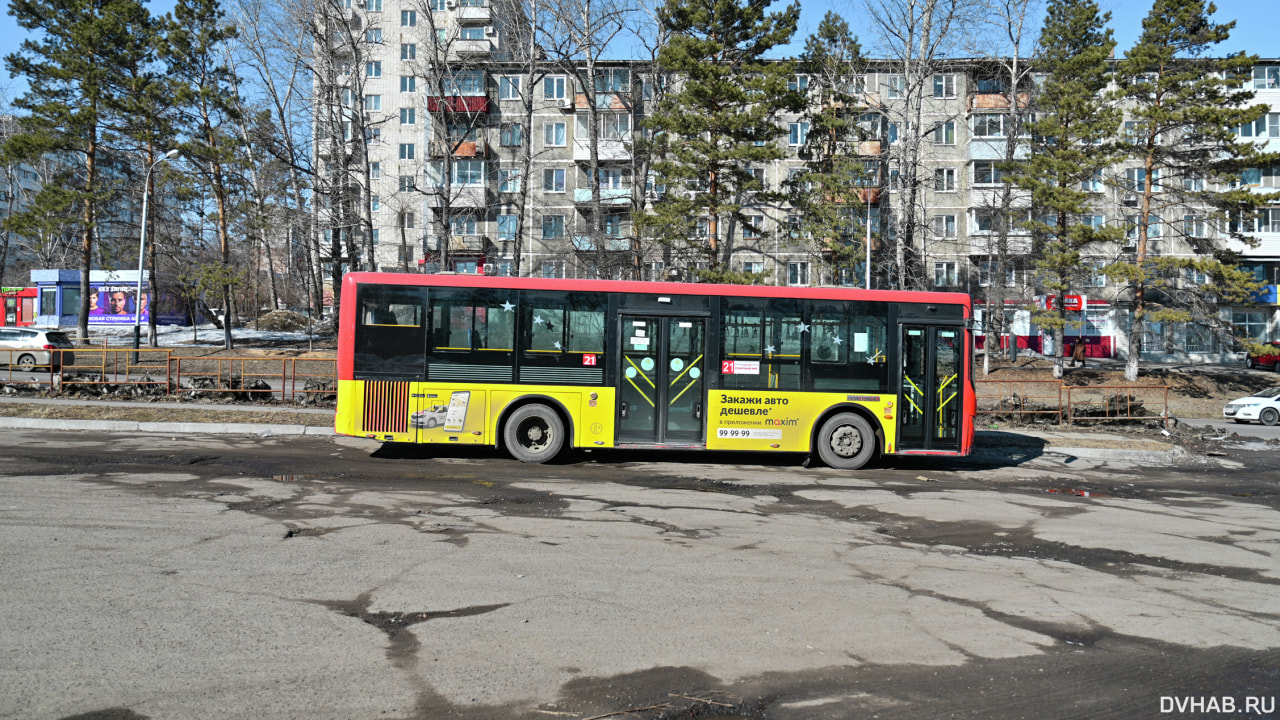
(533, 434)
(846, 441)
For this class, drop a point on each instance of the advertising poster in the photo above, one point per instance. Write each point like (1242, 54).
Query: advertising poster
(115, 304)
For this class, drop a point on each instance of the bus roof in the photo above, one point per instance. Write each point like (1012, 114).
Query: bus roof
(657, 288)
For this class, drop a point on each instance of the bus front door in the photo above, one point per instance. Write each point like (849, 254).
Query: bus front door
(930, 396)
(661, 380)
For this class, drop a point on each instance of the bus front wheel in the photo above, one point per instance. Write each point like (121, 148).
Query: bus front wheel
(534, 434)
(846, 442)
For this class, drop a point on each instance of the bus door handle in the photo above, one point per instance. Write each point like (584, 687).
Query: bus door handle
(697, 411)
(624, 411)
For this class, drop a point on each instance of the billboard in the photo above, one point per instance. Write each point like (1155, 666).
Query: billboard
(115, 304)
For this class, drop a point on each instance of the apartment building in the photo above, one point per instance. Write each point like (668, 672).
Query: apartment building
(477, 159)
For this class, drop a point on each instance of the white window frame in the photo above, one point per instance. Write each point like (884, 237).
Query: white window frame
(558, 180)
(944, 133)
(982, 125)
(945, 274)
(408, 116)
(509, 87)
(944, 226)
(408, 18)
(948, 85)
(555, 134)
(798, 273)
(553, 87)
(797, 133)
(946, 177)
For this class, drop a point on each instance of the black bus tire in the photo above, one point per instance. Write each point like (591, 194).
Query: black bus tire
(533, 434)
(846, 441)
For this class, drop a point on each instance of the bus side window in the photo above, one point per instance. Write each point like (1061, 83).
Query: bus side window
(390, 340)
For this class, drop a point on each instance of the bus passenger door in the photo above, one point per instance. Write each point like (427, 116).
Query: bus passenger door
(930, 395)
(661, 383)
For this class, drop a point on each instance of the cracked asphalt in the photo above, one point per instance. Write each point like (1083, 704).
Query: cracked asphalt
(155, 576)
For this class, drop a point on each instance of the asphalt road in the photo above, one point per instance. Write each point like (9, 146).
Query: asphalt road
(232, 577)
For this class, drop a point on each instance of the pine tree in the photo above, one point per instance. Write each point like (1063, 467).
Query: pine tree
(73, 65)
(844, 170)
(1184, 107)
(196, 52)
(1069, 148)
(719, 117)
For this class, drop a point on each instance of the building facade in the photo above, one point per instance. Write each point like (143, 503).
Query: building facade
(471, 156)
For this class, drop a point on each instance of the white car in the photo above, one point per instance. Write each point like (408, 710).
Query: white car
(30, 348)
(1262, 406)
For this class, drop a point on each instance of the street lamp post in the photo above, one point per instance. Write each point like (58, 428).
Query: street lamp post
(142, 245)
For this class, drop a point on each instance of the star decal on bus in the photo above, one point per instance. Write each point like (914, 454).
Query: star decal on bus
(537, 320)
(802, 327)
(508, 306)
(837, 340)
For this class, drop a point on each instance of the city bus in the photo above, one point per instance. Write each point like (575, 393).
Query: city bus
(536, 366)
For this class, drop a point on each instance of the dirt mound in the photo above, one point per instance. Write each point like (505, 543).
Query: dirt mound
(282, 321)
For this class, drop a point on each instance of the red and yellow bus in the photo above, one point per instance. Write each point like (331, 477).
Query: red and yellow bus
(536, 366)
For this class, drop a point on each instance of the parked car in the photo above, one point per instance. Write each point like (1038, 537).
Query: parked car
(1264, 362)
(1262, 406)
(32, 348)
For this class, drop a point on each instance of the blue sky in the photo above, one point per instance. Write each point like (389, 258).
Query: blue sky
(1255, 31)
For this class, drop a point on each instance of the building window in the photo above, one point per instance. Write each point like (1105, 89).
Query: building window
(375, 203)
(373, 102)
(987, 172)
(1266, 77)
(753, 267)
(406, 151)
(507, 227)
(945, 133)
(615, 126)
(944, 226)
(552, 227)
(468, 173)
(408, 51)
(375, 170)
(990, 84)
(798, 274)
(373, 69)
(1193, 226)
(751, 226)
(373, 135)
(988, 125)
(553, 180)
(944, 179)
(1097, 278)
(374, 6)
(553, 88)
(613, 80)
(1093, 184)
(471, 32)
(408, 116)
(509, 87)
(987, 268)
(509, 180)
(408, 18)
(373, 36)
(895, 87)
(406, 220)
(406, 183)
(653, 271)
(944, 85)
(408, 83)
(798, 83)
(462, 224)
(553, 134)
(798, 133)
(944, 274)
(553, 269)
(511, 135)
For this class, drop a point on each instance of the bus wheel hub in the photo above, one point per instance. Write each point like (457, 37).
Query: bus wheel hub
(846, 441)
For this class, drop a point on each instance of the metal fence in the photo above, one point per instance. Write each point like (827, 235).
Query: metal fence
(161, 372)
(1060, 403)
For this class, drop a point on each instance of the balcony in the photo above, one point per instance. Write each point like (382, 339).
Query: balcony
(459, 104)
(584, 243)
(477, 149)
(869, 147)
(469, 14)
(471, 48)
(616, 101)
(606, 149)
(980, 244)
(467, 243)
(995, 101)
(458, 197)
(608, 196)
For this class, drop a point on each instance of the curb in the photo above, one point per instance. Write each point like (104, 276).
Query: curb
(133, 426)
